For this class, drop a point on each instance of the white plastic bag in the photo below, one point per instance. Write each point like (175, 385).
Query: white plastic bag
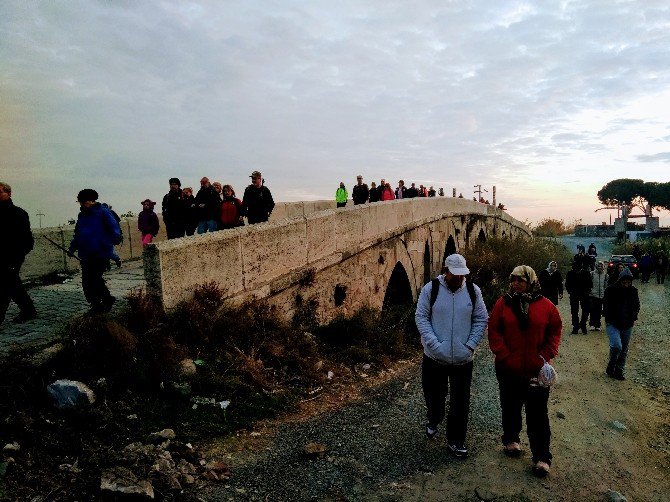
(547, 376)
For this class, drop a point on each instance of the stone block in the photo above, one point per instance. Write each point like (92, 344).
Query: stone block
(272, 250)
(321, 235)
(70, 394)
(349, 228)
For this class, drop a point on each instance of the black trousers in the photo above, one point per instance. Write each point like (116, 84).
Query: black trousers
(515, 392)
(438, 380)
(341, 204)
(660, 276)
(575, 303)
(11, 288)
(175, 230)
(95, 289)
(596, 311)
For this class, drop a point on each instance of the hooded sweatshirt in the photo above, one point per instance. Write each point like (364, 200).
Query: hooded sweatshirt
(95, 234)
(621, 304)
(454, 328)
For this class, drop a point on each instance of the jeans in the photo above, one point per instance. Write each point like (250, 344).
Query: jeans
(619, 340)
(596, 311)
(11, 288)
(515, 392)
(437, 381)
(207, 226)
(575, 303)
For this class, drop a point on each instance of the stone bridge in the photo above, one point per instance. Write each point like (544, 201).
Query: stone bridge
(338, 260)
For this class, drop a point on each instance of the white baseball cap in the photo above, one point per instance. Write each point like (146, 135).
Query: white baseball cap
(456, 264)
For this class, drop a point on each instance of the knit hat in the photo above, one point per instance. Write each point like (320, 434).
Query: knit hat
(526, 273)
(87, 194)
(148, 201)
(625, 274)
(175, 181)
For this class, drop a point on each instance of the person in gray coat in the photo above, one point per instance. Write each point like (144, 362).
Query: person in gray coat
(451, 320)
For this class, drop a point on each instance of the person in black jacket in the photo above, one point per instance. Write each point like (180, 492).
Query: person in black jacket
(374, 193)
(578, 284)
(174, 210)
(17, 243)
(551, 282)
(257, 202)
(360, 193)
(621, 306)
(412, 192)
(190, 216)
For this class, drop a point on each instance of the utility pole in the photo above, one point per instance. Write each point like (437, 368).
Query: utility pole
(479, 191)
(39, 215)
(494, 196)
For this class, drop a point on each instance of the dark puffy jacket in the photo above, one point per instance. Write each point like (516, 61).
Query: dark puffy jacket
(147, 222)
(173, 208)
(212, 202)
(257, 204)
(360, 194)
(17, 239)
(621, 305)
(518, 350)
(95, 234)
(551, 285)
(578, 282)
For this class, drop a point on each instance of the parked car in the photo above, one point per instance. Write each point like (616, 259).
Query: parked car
(627, 259)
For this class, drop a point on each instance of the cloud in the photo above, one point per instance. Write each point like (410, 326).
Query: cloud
(657, 157)
(126, 94)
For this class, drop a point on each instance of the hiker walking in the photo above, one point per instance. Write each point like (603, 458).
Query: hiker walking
(207, 207)
(174, 210)
(147, 222)
(451, 317)
(524, 333)
(95, 234)
(598, 286)
(578, 285)
(661, 267)
(551, 282)
(17, 243)
(621, 306)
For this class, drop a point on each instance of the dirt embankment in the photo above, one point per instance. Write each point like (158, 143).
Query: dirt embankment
(607, 435)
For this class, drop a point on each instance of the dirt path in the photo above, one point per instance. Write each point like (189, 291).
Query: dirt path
(613, 435)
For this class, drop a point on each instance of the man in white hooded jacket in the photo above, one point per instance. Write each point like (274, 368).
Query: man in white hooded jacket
(451, 329)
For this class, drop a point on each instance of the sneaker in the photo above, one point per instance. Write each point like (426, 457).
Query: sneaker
(22, 317)
(458, 450)
(618, 375)
(430, 431)
(512, 449)
(541, 469)
(107, 304)
(575, 332)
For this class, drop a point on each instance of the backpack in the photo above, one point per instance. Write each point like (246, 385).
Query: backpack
(435, 290)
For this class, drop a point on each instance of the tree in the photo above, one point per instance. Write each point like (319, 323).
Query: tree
(551, 227)
(623, 191)
(657, 194)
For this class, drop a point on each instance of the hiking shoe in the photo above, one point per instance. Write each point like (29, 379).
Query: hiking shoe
(458, 450)
(618, 375)
(430, 431)
(541, 469)
(22, 317)
(512, 449)
(575, 332)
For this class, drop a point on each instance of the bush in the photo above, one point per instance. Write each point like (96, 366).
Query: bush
(491, 262)
(651, 246)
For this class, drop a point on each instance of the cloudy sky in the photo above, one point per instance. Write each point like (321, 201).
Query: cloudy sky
(546, 100)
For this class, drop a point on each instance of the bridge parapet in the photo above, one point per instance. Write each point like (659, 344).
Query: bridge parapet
(262, 259)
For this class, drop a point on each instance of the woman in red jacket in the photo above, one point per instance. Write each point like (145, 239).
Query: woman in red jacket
(230, 209)
(524, 332)
(387, 192)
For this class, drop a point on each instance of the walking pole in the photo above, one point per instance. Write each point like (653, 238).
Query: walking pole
(61, 248)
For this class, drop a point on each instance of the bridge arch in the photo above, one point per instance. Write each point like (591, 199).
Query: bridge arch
(427, 272)
(449, 248)
(399, 289)
(481, 237)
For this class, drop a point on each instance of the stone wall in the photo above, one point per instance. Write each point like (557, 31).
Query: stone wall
(46, 258)
(357, 246)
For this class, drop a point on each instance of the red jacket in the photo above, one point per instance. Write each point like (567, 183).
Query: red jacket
(517, 350)
(230, 212)
(387, 194)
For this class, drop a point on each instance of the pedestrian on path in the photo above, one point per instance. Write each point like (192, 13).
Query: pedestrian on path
(360, 193)
(95, 234)
(598, 285)
(621, 306)
(17, 243)
(451, 317)
(208, 207)
(551, 282)
(578, 285)
(524, 333)
(174, 210)
(661, 267)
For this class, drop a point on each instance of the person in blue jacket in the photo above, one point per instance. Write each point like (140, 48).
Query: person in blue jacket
(95, 235)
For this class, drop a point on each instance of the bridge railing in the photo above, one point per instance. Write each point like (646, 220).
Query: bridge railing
(251, 259)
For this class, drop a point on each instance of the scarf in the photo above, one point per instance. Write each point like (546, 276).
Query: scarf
(520, 302)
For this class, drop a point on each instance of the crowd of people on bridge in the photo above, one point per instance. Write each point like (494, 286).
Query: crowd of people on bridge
(362, 194)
